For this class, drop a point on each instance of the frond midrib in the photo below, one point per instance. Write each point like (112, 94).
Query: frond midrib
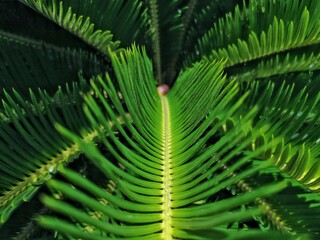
(21, 40)
(167, 174)
(45, 171)
(270, 54)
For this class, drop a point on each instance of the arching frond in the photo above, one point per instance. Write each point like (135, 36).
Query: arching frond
(282, 64)
(20, 20)
(261, 29)
(164, 168)
(293, 202)
(295, 157)
(292, 210)
(95, 22)
(297, 152)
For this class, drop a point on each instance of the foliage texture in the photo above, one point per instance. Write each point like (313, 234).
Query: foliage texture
(89, 149)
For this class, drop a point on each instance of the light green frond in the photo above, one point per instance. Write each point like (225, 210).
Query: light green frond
(163, 166)
(299, 164)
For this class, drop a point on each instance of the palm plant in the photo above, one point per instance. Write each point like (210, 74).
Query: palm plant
(230, 152)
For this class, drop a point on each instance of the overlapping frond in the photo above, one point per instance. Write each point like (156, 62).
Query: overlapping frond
(292, 210)
(291, 119)
(95, 22)
(294, 120)
(199, 162)
(31, 148)
(260, 29)
(161, 162)
(293, 202)
(20, 20)
(281, 64)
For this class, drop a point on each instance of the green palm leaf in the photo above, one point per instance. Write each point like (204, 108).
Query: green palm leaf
(262, 29)
(161, 175)
(20, 20)
(79, 18)
(31, 147)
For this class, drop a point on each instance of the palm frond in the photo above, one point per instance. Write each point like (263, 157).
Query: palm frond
(280, 64)
(31, 147)
(261, 29)
(162, 178)
(20, 20)
(95, 23)
(286, 114)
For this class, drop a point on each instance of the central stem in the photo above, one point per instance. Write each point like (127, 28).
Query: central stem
(166, 173)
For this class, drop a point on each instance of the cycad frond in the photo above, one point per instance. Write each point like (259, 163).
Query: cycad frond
(31, 147)
(82, 18)
(20, 20)
(261, 29)
(286, 114)
(204, 14)
(285, 208)
(168, 172)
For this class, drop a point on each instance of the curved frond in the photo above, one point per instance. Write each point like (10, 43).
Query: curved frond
(95, 22)
(293, 202)
(31, 147)
(291, 210)
(293, 119)
(281, 64)
(261, 29)
(20, 20)
(162, 168)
